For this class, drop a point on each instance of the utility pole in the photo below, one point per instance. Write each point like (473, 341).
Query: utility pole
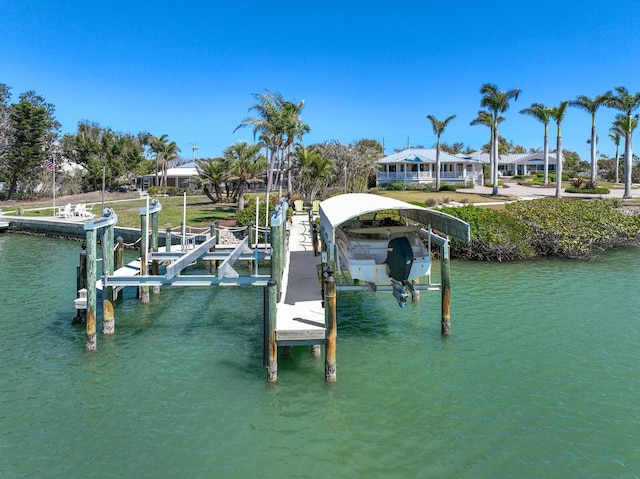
(194, 147)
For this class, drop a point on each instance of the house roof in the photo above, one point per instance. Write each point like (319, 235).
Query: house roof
(424, 155)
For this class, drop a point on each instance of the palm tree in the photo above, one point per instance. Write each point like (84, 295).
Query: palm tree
(244, 163)
(486, 118)
(497, 101)
(270, 124)
(165, 152)
(314, 170)
(438, 128)
(626, 126)
(212, 173)
(591, 105)
(294, 129)
(557, 113)
(541, 113)
(626, 102)
(158, 147)
(615, 133)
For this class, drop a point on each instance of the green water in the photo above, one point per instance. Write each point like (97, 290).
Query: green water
(539, 379)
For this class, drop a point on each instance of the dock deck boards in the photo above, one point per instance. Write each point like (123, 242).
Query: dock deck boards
(300, 315)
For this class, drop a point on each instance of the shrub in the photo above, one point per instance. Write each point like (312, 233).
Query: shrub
(576, 182)
(573, 228)
(589, 191)
(430, 202)
(495, 236)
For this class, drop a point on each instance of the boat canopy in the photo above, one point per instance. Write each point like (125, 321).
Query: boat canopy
(339, 209)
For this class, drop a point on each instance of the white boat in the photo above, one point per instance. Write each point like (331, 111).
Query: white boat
(383, 241)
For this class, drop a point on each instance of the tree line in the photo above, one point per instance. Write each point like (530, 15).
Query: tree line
(31, 146)
(30, 135)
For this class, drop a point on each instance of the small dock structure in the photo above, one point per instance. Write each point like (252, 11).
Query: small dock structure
(305, 270)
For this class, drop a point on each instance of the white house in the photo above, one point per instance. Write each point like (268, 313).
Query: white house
(418, 166)
(183, 176)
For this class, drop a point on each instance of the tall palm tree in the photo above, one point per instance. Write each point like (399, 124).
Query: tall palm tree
(615, 133)
(626, 125)
(557, 113)
(244, 163)
(158, 146)
(212, 173)
(438, 128)
(294, 129)
(591, 105)
(543, 114)
(270, 124)
(625, 102)
(486, 118)
(497, 101)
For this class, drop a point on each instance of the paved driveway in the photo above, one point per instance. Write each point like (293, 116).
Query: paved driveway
(530, 192)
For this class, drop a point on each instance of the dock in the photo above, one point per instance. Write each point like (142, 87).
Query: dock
(300, 318)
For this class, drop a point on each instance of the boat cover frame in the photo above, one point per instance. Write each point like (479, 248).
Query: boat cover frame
(339, 209)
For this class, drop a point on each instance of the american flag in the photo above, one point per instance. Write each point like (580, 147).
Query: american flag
(48, 164)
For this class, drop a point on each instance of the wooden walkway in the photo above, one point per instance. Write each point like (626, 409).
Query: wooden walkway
(300, 315)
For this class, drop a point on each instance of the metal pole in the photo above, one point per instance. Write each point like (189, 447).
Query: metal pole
(103, 171)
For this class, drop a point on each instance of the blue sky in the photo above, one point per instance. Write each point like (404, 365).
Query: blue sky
(365, 69)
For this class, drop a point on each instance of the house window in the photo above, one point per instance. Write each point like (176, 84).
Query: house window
(392, 168)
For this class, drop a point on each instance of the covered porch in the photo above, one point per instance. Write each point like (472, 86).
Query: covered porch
(418, 166)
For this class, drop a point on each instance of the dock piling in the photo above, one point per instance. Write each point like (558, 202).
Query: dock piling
(90, 342)
(271, 347)
(81, 283)
(330, 324)
(445, 322)
(155, 265)
(144, 248)
(108, 318)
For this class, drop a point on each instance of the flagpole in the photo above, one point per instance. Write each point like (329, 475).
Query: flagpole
(53, 159)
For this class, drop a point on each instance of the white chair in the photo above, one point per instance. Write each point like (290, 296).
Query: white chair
(81, 211)
(64, 212)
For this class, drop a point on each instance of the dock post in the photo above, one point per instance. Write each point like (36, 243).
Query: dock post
(167, 240)
(144, 247)
(118, 257)
(445, 322)
(108, 317)
(215, 231)
(277, 253)
(155, 266)
(330, 324)
(314, 238)
(90, 343)
(415, 293)
(118, 260)
(81, 283)
(270, 345)
(251, 244)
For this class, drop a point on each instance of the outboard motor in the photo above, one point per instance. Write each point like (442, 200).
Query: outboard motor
(399, 258)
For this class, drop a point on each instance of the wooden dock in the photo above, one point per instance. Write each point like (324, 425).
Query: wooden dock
(300, 316)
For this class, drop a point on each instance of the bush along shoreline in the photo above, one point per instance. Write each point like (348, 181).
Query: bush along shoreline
(560, 227)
